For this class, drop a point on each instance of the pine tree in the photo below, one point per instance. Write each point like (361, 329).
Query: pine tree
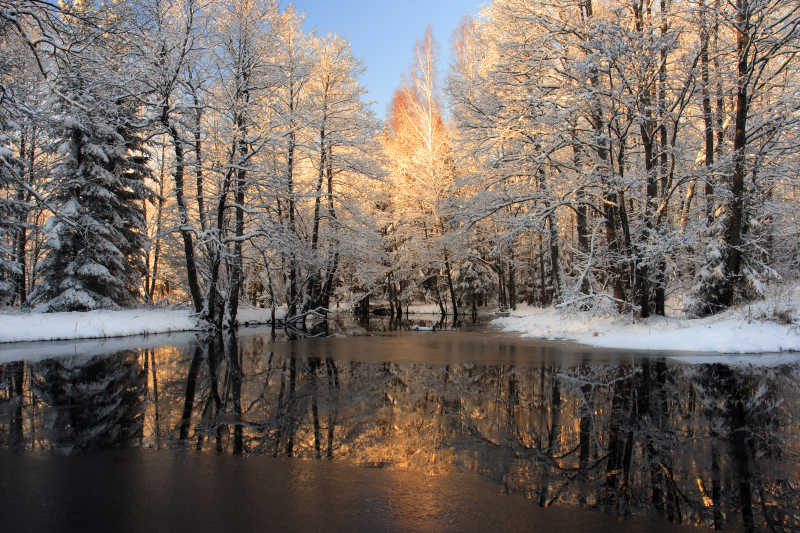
(95, 244)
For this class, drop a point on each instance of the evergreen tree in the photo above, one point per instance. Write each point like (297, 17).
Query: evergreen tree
(96, 243)
(11, 165)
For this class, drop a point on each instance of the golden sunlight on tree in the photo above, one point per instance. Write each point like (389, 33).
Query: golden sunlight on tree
(420, 164)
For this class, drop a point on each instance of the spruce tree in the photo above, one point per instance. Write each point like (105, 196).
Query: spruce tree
(96, 242)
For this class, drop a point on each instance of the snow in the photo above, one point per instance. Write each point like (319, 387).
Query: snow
(94, 324)
(103, 324)
(766, 327)
(769, 327)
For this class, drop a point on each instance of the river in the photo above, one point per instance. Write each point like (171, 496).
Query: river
(373, 428)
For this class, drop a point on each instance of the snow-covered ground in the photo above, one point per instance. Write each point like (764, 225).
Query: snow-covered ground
(771, 326)
(767, 326)
(104, 324)
(93, 324)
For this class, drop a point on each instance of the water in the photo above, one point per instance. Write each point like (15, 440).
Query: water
(394, 430)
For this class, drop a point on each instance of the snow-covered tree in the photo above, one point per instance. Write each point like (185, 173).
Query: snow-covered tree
(343, 133)
(765, 37)
(95, 242)
(24, 27)
(610, 115)
(422, 173)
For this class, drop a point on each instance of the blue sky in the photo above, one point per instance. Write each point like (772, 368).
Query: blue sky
(382, 34)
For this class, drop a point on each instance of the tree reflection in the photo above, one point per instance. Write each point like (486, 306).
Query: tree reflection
(708, 445)
(74, 404)
(12, 400)
(188, 399)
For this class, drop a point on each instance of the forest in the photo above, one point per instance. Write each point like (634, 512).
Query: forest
(627, 155)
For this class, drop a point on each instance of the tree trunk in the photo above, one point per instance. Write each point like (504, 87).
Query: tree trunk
(240, 186)
(210, 311)
(501, 285)
(198, 160)
(439, 300)
(708, 119)
(314, 288)
(543, 298)
(450, 286)
(159, 212)
(21, 235)
(659, 293)
(735, 207)
(20, 241)
(333, 257)
(609, 204)
(183, 213)
(313, 295)
(609, 211)
(291, 297)
(555, 264)
(512, 281)
(647, 129)
(581, 211)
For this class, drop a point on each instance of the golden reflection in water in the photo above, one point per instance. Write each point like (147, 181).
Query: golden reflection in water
(625, 438)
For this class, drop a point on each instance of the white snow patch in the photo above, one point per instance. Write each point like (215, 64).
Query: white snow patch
(94, 324)
(22, 327)
(737, 331)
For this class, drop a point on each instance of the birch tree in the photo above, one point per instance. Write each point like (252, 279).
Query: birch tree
(421, 163)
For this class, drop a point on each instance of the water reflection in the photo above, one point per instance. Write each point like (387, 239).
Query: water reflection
(707, 444)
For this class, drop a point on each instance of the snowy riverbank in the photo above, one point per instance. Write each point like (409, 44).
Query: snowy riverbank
(770, 326)
(23, 327)
(767, 326)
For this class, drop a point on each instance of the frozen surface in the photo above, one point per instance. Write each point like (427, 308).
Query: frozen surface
(765, 327)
